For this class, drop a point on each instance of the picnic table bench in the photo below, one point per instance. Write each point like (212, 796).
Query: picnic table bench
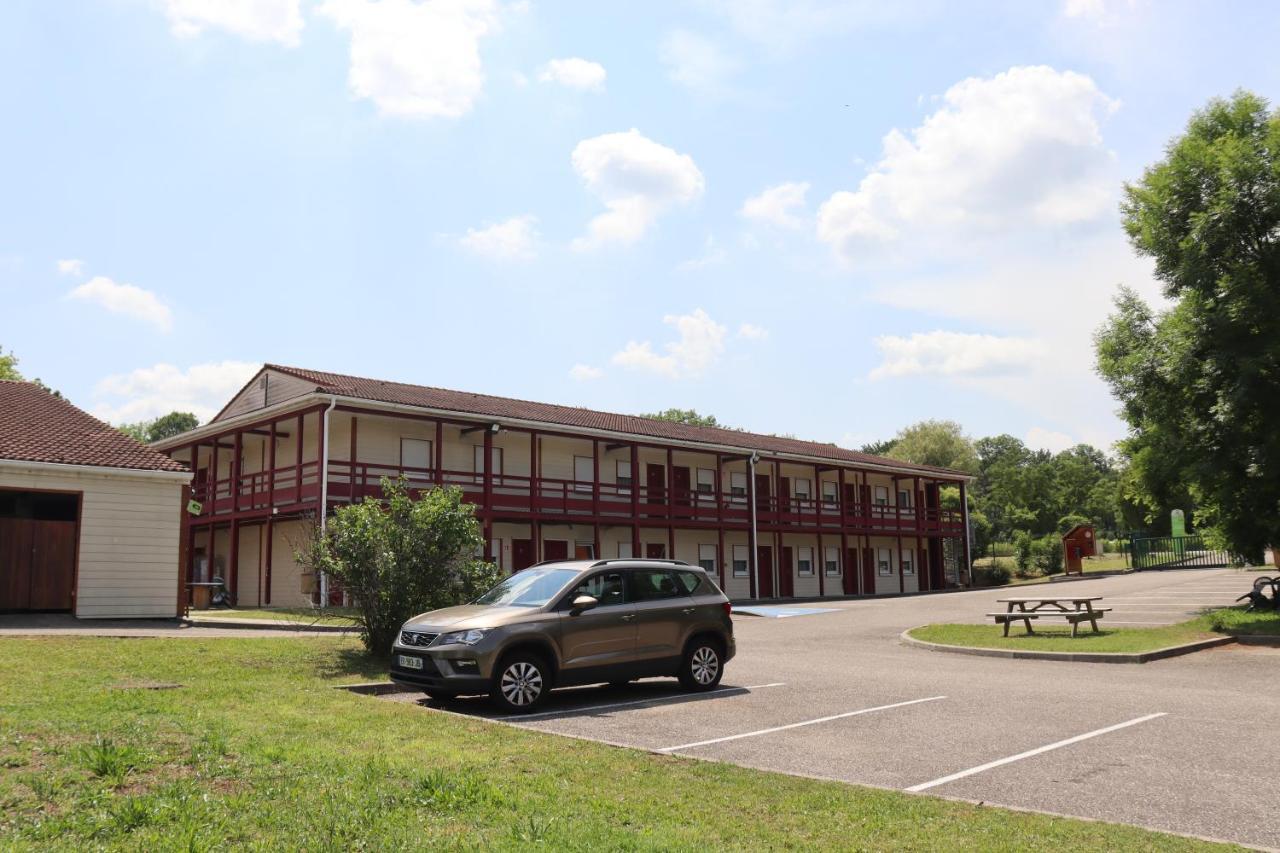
(1023, 610)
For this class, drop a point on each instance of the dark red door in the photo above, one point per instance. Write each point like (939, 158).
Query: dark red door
(786, 572)
(680, 486)
(764, 563)
(762, 491)
(868, 571)
(655, 551)
(522, 556)
(655, 481)
(784, 494)
(53, 564)
(850, 571)
(850, 499)
(555, 549)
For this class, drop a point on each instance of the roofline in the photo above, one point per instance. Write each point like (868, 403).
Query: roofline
(68, 468)
(314, 397)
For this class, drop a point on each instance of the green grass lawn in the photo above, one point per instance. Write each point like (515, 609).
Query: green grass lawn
(1051, 637)
(256, 749)
(338, 616)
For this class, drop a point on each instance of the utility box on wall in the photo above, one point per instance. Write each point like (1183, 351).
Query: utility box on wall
(1078, 542)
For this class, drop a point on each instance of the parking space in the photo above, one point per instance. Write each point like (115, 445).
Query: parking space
(1186, 745)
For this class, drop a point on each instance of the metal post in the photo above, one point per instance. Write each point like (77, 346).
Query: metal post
(751, 532)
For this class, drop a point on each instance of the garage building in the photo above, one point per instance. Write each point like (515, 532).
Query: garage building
(90, 519)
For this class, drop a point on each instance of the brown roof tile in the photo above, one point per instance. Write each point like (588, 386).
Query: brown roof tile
(570, 416)
(36, 426)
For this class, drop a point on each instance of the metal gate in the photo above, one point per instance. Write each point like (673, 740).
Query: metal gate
(1176, 552)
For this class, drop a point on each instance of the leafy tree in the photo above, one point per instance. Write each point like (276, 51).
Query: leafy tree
(400, 556)
(685, 416)
(1199, 384)
(879, 448)
(942, 444)
(9, 366)
(165, 426)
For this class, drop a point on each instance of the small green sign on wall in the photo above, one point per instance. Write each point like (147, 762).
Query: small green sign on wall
(1178, 523)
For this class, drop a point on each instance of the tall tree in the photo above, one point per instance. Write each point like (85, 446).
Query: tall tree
(685, 416)
(9, 366)
(939, 443)
(1199, 383)
(165, 426)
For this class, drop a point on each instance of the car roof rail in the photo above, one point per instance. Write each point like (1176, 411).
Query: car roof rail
(640, 560)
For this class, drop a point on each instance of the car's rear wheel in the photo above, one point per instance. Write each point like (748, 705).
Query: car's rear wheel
(521, 683)
(703, 664)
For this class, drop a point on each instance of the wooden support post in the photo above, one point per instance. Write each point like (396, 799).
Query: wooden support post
(233, 560)
(297, 465)
(753, 560)
(213, 479)
(266, 595)
(635, 500)
(235, 471)
(352, 456)
(671, 542)
(534, 490)
(271, 469)
(595, 487)
(488, 494)
(720, 555)
(669, 489)
(820, 565)
(438, 453)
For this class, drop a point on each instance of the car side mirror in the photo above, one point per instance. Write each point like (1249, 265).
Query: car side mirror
(584, 602)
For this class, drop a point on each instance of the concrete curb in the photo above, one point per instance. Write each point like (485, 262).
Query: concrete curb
(1069, 657)
(268, 625)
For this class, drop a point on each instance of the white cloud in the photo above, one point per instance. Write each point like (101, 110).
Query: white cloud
(149, 392)
(778, 205)
(516, 239)
(1039, 438)
(700, 345)
(256, 20)
(585, 373)
(415, 60)
(1099, 12)
(752, 332)
(713, 255)
(697, 62)
(71, 266)
(942, 353)
(637, 179)
(782, 26)
(1022, 148)
(576, 73)
(125, 299)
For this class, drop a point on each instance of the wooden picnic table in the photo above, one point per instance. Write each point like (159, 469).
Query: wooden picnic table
(1025, 608)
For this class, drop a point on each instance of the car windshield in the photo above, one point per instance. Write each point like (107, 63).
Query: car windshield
(530, 588)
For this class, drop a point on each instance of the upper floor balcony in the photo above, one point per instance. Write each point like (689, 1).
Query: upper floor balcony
(297, 487)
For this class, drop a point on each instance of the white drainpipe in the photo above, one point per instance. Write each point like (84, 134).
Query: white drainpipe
(755, 535)
(324, 494)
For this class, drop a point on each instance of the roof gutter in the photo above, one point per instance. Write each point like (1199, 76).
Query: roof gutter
(23, 466)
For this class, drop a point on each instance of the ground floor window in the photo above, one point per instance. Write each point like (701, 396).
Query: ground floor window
(884, 562)
(908, 563)
(707, 558)
(739, 561)
(624, 551)
(832, 562)
(804, 561)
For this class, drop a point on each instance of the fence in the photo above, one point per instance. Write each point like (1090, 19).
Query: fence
(1176, 552)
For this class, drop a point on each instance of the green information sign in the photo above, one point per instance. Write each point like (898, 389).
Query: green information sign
(1178, 523)
(194, 507)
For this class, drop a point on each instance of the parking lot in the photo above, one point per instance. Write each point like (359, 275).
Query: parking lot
(1186, 744)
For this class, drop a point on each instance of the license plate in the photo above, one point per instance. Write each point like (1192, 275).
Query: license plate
(410, 662)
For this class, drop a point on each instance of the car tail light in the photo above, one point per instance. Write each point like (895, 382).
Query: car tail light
(728, 608)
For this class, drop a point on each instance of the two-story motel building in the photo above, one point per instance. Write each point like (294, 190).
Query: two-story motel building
(769, 517)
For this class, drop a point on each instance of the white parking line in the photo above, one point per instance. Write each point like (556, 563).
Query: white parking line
(650, 700)
(798, 725)
(1029, 753)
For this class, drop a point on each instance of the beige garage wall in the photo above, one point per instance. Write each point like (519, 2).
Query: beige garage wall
(130, 530)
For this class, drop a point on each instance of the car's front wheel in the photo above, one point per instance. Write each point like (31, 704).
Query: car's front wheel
(703, 664)
(521, 683)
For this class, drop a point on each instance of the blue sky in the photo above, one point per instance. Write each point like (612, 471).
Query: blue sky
(823, 219)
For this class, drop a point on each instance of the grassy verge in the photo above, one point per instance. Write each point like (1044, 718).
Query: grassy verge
(1057, 638)
(255, 749)
(334, 616)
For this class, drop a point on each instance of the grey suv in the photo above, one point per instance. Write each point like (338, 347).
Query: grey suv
(566, 623)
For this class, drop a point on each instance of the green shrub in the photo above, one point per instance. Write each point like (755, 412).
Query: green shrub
(1047, 554)
(1023, 553)
(996, 575)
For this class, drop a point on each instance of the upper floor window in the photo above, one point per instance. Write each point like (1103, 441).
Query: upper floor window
(416, 455)
(584, 473)
(904, 497)
(624, 472)
(829, 493)
(706, 481)
(738, 484)
(801, 488)
(495, 458)
(881, 496)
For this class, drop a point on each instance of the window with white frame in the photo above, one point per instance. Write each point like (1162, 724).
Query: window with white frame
(706, 481)
(804, 561)
(904, 497)
(624, 551)
(881, 496)
(495, 458)
(831, 562)
(584, 473)
(738, 484)
(801, 488)
(739, 561)
(416, 455)
(624, 472)
(908, 563)
(707, 558)
(829, 493)
(884, 562)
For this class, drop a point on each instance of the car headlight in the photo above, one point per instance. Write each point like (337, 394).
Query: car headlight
(466, 638)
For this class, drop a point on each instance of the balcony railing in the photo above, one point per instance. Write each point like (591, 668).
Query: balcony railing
(551, 497)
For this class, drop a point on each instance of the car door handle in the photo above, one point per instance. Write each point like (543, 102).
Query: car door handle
(689, 609)
(628, 617)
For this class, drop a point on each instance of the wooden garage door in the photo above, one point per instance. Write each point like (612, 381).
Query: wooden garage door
(37, 555)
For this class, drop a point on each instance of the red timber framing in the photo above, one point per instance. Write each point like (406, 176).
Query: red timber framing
(289, 488)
